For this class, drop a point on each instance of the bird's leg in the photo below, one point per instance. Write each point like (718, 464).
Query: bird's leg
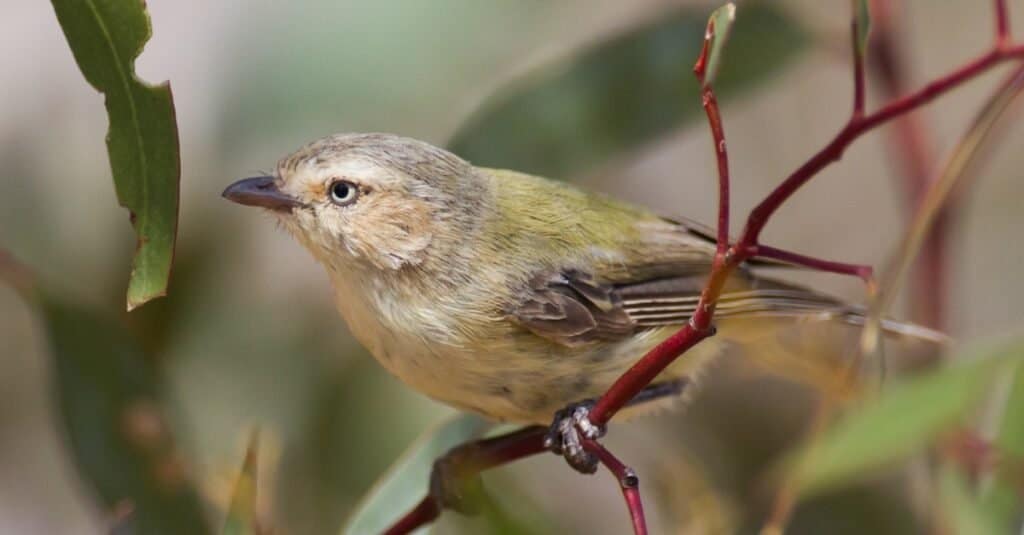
(572, 425)
(455, 479)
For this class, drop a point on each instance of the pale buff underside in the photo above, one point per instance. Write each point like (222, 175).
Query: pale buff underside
(526, 379)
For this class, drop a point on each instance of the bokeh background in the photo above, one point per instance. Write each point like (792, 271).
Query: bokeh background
(248, 336)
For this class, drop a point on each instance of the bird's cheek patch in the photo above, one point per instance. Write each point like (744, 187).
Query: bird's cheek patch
(393, 233)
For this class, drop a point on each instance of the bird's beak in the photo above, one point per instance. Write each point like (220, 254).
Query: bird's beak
(260, 191)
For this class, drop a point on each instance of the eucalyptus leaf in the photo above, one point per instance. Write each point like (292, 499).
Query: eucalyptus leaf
(106, 36)
(719, 27)
(1001, 499)
(108, 396)
(241, 518)
(862, 18)
(406, 482)
(961, 509)
(902, 421)
(571, 116)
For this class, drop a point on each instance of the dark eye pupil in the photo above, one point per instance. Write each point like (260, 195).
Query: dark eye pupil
(341, 191)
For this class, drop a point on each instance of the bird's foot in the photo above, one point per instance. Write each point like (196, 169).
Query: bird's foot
(570, 427)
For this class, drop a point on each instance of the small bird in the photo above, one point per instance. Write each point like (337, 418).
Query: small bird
(509, 295)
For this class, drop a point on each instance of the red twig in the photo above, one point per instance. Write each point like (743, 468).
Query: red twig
(856, 127)
(699, 326)
(717, 135)
(1002, 23)
(475, 457)
(424, 513)
(727, 258)
(865, 273)
(628, 482)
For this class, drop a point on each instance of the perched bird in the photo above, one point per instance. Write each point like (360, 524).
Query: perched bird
(506, 294)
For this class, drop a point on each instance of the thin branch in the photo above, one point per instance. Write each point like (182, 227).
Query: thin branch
(473, 458)
(717, 136)
(929, 208)
(911, 147)
(1002, 23)
(863, 272)
(424, 513)
(856, 127)
(726, 261)
(645, 370)
(628, 482)
(934, 199)
(699, 326)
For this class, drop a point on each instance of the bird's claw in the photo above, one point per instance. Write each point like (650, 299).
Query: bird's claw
(570, 427)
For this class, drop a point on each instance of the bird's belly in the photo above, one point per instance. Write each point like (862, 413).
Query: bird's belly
(509, 382)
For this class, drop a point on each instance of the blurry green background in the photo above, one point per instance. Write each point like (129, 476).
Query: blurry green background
(248, 336)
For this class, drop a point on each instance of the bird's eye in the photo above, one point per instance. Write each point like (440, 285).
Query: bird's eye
(343, 192)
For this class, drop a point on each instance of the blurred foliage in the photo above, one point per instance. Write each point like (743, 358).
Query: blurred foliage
(905, 419)
(716, 36)
(405, 483)
(109, 396)
(1001, 499)
(572, 116)
(241, 517)
(286, 363)
(961, 510)
(142, 142)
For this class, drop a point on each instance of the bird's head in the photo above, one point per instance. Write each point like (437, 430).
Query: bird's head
(375, 200)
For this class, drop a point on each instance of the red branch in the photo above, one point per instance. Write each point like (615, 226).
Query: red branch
(424, 513)
(628, 482)
(475, 457)
(699, 326)
(710, 104)
(1002, 24)
(727, 259)
(865, 273)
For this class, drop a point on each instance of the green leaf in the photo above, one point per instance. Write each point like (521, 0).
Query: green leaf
(902, 421)
(862, 18)
(106, 36)
(961, 510)
(1002, 499)
(572, 116)
(717, 34)
(108, 398)
(241, 519)
(406, 482)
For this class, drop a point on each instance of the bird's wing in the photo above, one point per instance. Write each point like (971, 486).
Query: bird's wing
(572, 308)
(651, 277)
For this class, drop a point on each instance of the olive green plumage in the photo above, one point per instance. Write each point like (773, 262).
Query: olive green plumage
(507, 294)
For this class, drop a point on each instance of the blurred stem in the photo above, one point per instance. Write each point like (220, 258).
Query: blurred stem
(699, 326)
(931, 204)
(911, 146)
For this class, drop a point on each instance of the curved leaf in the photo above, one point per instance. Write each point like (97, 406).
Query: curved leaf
(569, 117)
(105, 37)
(900, 422)
(121, 444)
(406, 482)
